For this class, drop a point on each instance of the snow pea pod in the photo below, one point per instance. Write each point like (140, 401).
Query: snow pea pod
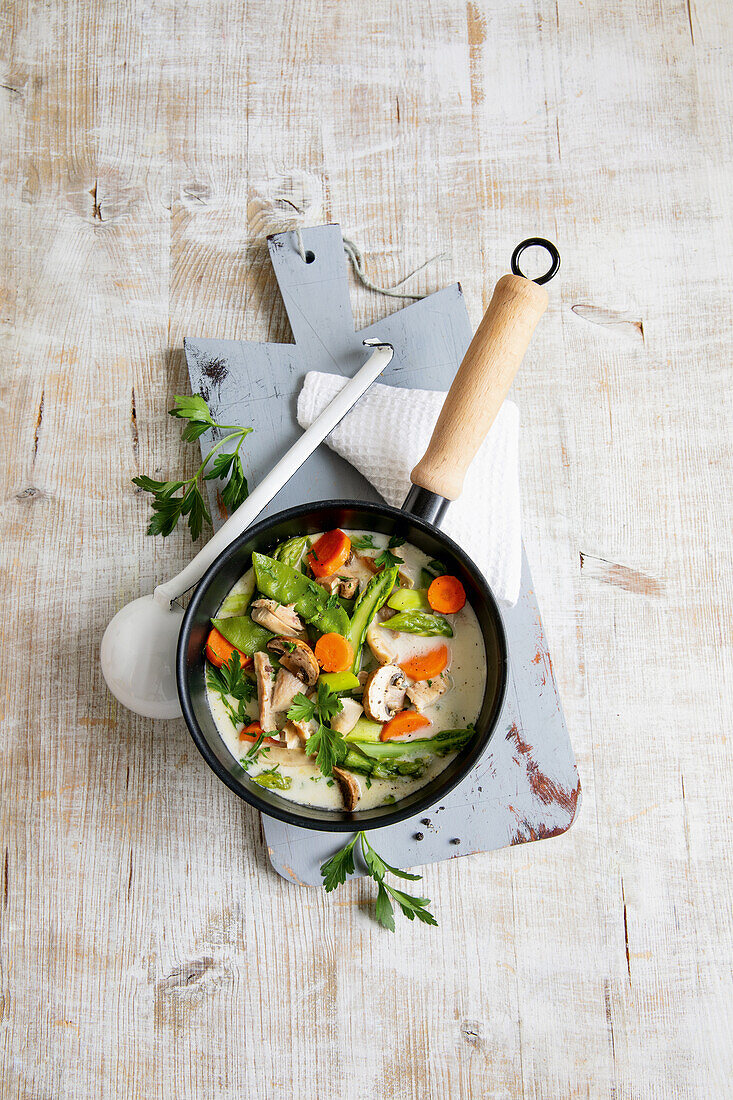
(243, 634)
(287, 585)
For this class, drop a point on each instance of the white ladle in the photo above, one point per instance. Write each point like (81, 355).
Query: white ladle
(138, 653)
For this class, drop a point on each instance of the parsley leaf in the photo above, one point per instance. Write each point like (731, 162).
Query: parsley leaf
(231, 683)
(168, 509)
(383, 909)
(335, 870)
(328, 747)
(302, 709)
(412, 906)
(325, 744)
(196, 411)
(387, 559)
(328, 703)
(230, 465)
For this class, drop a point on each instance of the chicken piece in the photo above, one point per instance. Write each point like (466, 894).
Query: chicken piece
(277, 617)
(297, 733)
(286, 688)
(264, 673)
(348, 716)
(353, 576)
(340, 584)
(424, 693)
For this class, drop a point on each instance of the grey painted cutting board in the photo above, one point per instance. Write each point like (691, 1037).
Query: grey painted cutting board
(526, 786)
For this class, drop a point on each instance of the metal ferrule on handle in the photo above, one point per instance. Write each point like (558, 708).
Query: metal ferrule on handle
(261, 496)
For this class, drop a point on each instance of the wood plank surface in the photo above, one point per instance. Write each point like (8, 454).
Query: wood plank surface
(146, 948)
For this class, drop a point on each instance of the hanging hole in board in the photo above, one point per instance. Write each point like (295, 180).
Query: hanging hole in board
(547, 246)
(310, 256)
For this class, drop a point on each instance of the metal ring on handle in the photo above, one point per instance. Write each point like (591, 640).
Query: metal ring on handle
(537, 242)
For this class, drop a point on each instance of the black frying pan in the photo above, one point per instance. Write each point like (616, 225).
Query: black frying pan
(473, 401)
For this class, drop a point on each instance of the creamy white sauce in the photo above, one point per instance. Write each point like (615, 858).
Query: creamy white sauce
(456, 709)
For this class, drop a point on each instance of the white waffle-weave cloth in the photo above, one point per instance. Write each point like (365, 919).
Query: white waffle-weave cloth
(385, 435)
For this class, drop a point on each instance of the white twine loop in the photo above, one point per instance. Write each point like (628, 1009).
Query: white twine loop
(281, 214)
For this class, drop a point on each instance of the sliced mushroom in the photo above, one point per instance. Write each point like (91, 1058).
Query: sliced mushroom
(384, 692)
(425, 692)
(264, 673)
(349, 785)
(286, 688)
(380, 641)
(348, 716)
(277, 617)
(362, 677)
(297, 657)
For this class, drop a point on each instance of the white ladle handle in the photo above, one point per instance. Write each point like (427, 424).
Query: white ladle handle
(261, 496)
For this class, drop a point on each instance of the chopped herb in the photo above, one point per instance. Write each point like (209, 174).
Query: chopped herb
(395, 541)
(368, 783)
(231, 682)
(364, 542)
(329, 782)
(254, 752)
(335, 870)
(390, 800)
(169, 508)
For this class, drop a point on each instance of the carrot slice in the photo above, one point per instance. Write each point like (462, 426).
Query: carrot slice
(218, 650)
(407, 721)
(251, 732)
(334, 653)
(447, 595)
(425, 666)
(329, 553)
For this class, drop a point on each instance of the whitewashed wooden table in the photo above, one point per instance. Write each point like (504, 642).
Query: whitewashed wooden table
(146, 948)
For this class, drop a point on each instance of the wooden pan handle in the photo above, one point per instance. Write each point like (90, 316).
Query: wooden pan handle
(481, 384)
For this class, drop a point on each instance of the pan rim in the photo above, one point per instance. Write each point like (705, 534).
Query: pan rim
(284, 813)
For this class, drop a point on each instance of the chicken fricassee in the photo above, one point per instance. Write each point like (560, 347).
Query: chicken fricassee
(345, 670)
